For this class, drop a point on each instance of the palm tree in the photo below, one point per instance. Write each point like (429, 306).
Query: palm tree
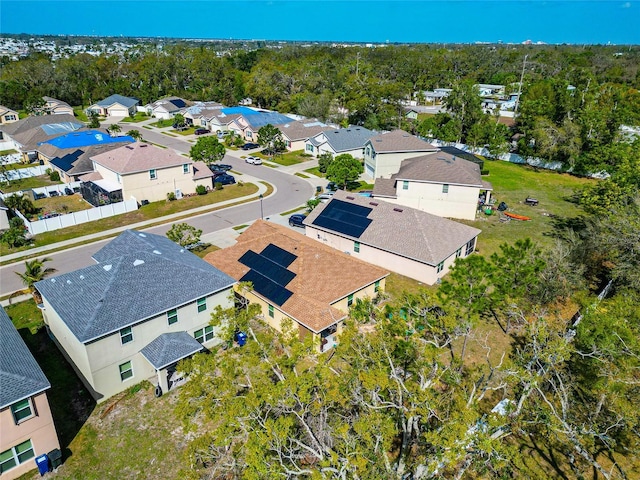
(135, 134)
(115, 128)
(34, 272)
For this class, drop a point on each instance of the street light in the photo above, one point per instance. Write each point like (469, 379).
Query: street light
(261, 211)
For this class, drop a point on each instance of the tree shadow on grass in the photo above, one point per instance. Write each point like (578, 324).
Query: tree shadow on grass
(561, 225)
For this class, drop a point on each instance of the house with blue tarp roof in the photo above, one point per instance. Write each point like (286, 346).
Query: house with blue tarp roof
(250, 120)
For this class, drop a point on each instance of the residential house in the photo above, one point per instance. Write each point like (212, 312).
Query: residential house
(489, 90)
(295, 134)
(53, 106)
(115, 106)
(70, 154)
(440, 184)
(143, 307)
(410, 113)
(167, 107)
(144, 172)
(200, 114)
(26, 425)
(339, 141)
(384, 153)
(250, 120)
(295, 277)
(431, 97)
(25, 135)
(8, 115)
(404, 240)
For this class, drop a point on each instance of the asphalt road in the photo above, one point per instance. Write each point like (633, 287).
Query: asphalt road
(291, 192)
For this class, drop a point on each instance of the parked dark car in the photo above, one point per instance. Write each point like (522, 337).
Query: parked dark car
(250, 146)
(219, 167)
(179, 127)
(332, 187)
(201, 131)
(296, 220)
(68, 191)
(224, 179)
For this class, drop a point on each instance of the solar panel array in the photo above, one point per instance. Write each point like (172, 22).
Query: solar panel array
(344, 217)
(268, 272)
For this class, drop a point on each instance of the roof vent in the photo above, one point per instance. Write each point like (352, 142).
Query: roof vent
(138, 262)
(397, 210)
(157, 252)
(142, 235)
(68, 282)
(375, 204)
(81, 277)
(107, 267)
(127, 146)
(53, 280)
(350, 198)
(453, 158)
(143, 145)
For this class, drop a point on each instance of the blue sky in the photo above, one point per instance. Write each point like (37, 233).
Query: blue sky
(427, 21)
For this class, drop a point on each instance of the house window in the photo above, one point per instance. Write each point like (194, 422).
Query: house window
(16, 455)
(405, 184)
(202, 304)
(271, 311)
(118, 178)
(309, 148)
(458, 252)
(445, 188)
(126, 335)
(376, 286)
(249, 134)
(470, 246)
(22, 410)
(350, 300)
(126, 371)
(185, 168)
(10, 118)
(152, 174)
(172, 316)
(440, 267)
(356, 247)
(204, 334)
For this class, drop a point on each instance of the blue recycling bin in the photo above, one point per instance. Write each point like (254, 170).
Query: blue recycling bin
(241, 338)
(43, 464)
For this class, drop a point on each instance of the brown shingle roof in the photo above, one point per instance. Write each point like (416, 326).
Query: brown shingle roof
(302, 130)
(28, 132)
(384, 187)
(138, 157)
(316, 286)
(440, 168)
(200, 170)
(400, 141)
(404, 231)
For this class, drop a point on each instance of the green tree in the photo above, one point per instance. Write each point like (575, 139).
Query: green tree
(324, 160)
(344, 169)
(465, 105)
(15, 235)
(270, 138)
(94, 121)
(179, 120)
(208, 150)
(35, 271)
(115, 128)
(184, 234)
(135, 134)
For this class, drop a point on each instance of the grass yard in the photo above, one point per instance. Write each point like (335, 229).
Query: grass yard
(167, 122)
(301, 175)
(61, 204)
(188, 131)
(138, 117)
(8, 152)
(28, 183)
(80, 114)
(289, 158)
(315, 171)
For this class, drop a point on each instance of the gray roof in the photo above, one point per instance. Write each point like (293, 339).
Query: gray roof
(426, 238)
(20, 375)
(168, 348)
(384, 187)
(121, 99)
(32, 130)
(440, 168)
(400, 141)
(76, 161)
(345, 139)
(139, 276)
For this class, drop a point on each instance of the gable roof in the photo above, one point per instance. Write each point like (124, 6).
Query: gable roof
(4, 110)
(77, 161)
(170, 104)
(139, 157)
(258, 118)
(121, 99)
(302, 129)
(440, 168)
(168, 348)
(34, 129)
(456, 152)
(399, 141)
(20, 375)
(345, 139)
(140, 275)
(312, 281)
(425, 237)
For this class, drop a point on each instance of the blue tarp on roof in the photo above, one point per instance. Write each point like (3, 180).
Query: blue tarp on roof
(63, 127)
(258, 118)
(86, 138)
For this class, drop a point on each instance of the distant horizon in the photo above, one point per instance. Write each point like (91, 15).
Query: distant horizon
(553, 22)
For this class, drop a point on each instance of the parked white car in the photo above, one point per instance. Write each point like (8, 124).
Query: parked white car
(253, 160)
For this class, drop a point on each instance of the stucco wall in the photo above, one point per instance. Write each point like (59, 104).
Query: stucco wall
(459, 202)
(386, 164)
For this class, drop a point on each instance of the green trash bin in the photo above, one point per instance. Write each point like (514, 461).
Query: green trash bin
(55, 458)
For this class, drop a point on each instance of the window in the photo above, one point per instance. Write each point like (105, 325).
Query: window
(118, 178)
(309, 148)
(10, 118)
(470, 246)
(249, 134)
(271, 311)
(458, 252)
(204, 334)
(126, 335)
(405, 184)
(440, 267)
(15, 456)
(356, 247)
(126, 371)
(445, 188)
(202, 304)
(350, 300)
(152, 174)
(22, 410)
(376, 286)
(185, 168)
(172, 316)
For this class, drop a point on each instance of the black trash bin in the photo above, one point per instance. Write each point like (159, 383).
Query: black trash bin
(42, 462)
(55, 457)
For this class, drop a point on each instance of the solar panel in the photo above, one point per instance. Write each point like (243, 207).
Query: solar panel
(343, 217)
(268, 289)
(267, 268)
(278, 255)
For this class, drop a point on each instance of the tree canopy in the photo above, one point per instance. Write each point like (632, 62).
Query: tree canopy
(344, 169)
(208, 150)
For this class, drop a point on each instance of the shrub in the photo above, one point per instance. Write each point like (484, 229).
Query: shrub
(54, 176)
(171, 196)
(201, 190)
(484, 172)
(218, 186)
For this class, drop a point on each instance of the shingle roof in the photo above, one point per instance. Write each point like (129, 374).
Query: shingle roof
(200, 170)
(139, 276)
(302, 130)
(168, 348)
(77, 161)
(462, 154)
(32, 130)
(424, 237)
(121, 99)
(384, 187)
(20, 374)
(316, 286)
(400, 141)
(4, 110)
(345, 139)
(440, 168)
(138, 157)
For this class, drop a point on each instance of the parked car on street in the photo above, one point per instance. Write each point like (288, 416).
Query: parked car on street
(332, 187)
(219, 167)
(201, 131)
(224, 179)
(253, 160)
(296, 220)
(250, 146)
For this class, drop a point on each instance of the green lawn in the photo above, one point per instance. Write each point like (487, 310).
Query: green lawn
(315, 171)
(28, 183)
(289, 158)
(60, 204)
(188, 131)
(80, 114)
(138, 117)
(163, 123)
(8, 152)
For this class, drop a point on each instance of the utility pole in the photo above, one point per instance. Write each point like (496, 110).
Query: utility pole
(515, 110)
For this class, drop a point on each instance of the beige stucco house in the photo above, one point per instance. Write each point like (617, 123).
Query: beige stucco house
(384, 153)
(249, 121)
(166, 108)
(295, 277)
(441, 184)
(8, 115)
(115, 106)
(350, 140)
(295, 134)
(26, 424)
(144, 306)
(53, 106)
(404, 240)
(145, 172)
